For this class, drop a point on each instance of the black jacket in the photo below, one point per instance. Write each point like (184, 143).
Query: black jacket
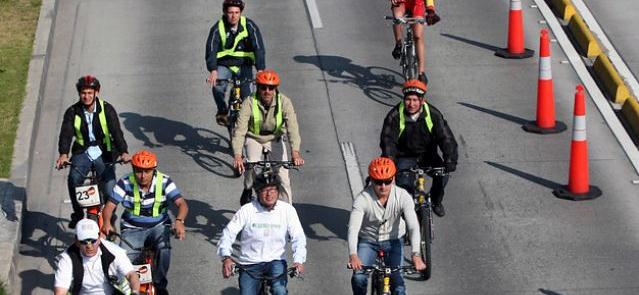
(251, 44)
(67, 132)
(416, 141)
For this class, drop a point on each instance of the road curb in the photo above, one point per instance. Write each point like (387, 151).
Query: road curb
(13, 190)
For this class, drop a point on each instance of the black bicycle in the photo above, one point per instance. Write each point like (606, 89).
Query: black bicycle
(266, 168)
(381, 274)
(266, 281)
(423, 207)
(235, 100)
(408, 58)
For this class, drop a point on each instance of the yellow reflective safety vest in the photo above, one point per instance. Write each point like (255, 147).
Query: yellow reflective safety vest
(77, 122)
(241, 36)
(137, 202)
(402, 118)
(257, 116)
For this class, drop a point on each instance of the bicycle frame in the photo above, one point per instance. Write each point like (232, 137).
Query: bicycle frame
(235, 100)
(408, 59)
(381, 274)
(268, 167)
(265, 282)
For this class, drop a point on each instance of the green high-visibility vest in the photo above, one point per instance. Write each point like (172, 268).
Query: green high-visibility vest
(77, 122)
(137, 203)
(232, 51)
(257, 116)
(402, 118)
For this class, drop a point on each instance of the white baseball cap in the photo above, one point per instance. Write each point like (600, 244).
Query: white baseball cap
(87, 229)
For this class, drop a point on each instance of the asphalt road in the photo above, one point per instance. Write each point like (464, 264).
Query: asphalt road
(505, 233)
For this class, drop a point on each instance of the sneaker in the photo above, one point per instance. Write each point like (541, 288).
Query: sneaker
(397, 51)
(222, 118)
(422, 77)
(439, 210)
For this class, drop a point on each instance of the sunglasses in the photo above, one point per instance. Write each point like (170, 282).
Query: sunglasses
(88, 242)
(266, 87)
(385, 181)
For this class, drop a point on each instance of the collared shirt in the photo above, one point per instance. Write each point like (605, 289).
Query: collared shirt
(93, 151)
(264, 234)
(93, 281)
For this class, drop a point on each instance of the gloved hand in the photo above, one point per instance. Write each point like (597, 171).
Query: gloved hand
(431, 16)
(450, 166)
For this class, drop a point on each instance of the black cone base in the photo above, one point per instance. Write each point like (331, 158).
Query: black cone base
(503, 52)
(533, 128)
(563, 193)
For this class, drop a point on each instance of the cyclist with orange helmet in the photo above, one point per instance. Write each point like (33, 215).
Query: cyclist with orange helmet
(91, 130)
(416, 8)
(412, 132)
(382, 214)
(145, 195)
(267, 120)
(233, 47)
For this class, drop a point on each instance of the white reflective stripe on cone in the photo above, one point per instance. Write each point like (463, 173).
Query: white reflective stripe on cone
(515, 4)
(545, 69)
(579, 128)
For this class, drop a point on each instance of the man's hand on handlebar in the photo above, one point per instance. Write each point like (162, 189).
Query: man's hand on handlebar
(212, 78)
(299, 267)
(418, 262)
(297, 158)
(354, 263)
(238, 163)
(125, 157)
(227, 267)
(180, 231)
(61, 161)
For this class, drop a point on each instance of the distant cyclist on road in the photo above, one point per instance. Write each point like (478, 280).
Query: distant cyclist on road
(412, 132)
(418, 9)
(267, 120)
(233, 47)
(381, 213)
(266, 224)
(89, 264)
(145, 195)
(92, 125)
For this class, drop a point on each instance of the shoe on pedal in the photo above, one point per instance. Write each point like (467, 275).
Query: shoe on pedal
(222, 118)
(397, 51)
(422, 77)
(439, 210)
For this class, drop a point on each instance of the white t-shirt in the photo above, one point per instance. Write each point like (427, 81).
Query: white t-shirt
(93, 281)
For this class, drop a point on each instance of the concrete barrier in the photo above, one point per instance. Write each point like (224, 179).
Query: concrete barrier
(563, 8)
(630, 111)
(585, 40)
(606, 73)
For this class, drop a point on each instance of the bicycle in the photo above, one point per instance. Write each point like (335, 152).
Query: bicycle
(408, 58)
(267, 167)
(423, 207)
(88, 194)
(266, 281)
(235, 101)
(381, 274)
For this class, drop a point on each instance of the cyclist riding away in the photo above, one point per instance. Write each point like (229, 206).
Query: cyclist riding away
(381, 213)
(145, 195)
(90, 263)
(412, 132)
(417, 9)
(92, 125)
(267, 120)
(233, 47)
(266, 226)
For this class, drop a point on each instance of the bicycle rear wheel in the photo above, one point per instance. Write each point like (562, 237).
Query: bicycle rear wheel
(377, 284)
(410, 62)
(426, 240)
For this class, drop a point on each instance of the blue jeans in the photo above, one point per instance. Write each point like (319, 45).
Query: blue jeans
(367, 252)
(245, 72)
(80, 167)
(251, 277)
(160, 236)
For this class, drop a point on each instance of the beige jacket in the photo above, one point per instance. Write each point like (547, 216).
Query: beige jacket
(289, 124)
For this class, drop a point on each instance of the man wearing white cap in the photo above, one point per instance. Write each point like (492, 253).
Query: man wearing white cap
(88, 259)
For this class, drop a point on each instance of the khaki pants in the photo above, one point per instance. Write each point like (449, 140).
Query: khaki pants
(279, 152)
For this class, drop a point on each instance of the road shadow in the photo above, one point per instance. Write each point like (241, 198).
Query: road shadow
(377, 83)
(35, 279)
(492, 48)
(533, 178)
(205, 220)
(507, 117)
(204, 146)
(548, 292)
(230, 291)
(333, 219)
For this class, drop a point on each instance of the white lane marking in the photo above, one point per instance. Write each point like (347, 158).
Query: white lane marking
(316, 20)
(615, 59)
(595, 93)
(352, 168)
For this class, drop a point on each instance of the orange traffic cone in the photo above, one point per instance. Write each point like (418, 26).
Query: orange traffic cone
(545, 123)
(515, 34)
(578, 188)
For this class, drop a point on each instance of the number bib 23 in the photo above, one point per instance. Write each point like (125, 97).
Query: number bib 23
(87, 195)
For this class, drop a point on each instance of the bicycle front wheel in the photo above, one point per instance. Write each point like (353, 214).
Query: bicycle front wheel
(425, 244)
(410, 62)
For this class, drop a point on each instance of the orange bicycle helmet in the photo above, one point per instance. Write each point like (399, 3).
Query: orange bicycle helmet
(414, 87)
(381, 168)
(267, 77)
(144, 160)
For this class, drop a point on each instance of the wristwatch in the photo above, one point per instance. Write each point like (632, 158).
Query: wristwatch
(180, 220)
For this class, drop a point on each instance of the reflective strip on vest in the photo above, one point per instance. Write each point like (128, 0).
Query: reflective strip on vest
(257, 116)
(402, 118)
(137, 203)
(77, 122)
(242, 35)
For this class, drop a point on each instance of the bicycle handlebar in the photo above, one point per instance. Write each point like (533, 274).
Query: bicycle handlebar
(271, 164)
(291, 271)
(406, 20)
(108, 164)
(371, 268)
(235, 81)
(436, 171)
